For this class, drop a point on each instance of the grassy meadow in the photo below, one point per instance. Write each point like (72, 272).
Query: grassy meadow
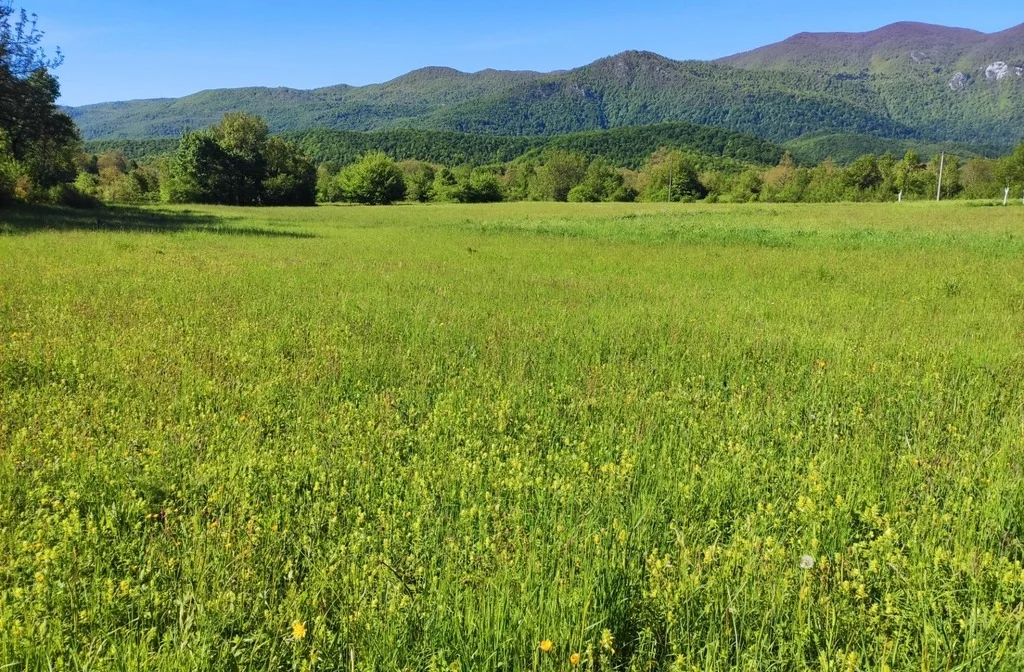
(513, 437)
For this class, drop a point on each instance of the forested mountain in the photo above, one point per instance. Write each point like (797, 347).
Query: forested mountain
(905, 81)
(402, 102)
(899, 48)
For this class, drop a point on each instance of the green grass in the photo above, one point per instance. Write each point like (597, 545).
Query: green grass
(438, 435)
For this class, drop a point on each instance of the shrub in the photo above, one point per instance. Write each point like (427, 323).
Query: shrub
(373, 180)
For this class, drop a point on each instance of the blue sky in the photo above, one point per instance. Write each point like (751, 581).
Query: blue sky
(147, 49)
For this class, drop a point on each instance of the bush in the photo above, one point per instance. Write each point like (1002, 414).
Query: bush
(374, 180)
(583, 193)
(69, 196)
(9, 175)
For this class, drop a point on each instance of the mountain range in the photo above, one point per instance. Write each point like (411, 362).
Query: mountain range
(906, 81)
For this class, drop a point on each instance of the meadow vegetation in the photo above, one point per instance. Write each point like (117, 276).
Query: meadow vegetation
(518, 436)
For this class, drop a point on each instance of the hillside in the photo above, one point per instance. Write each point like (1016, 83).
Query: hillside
(899, 48)
(905, 81)
(400, 102)
(844, 148)
(624, 147)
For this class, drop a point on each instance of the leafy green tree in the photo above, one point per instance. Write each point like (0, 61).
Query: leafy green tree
(419, 180)
(468, 185)
(373, 180)
(825, 184)
(748, 186)
(560, 173)
(980, 179)
(671, 175)
(118, 179)
(327, 188)
(236, 163)
(602, 182)
(1011, 170)
(785, 183)
(862, 178)
(517, 178)
(291, 178)
(445, 184)
(38, 142)
(911, 177)
(199, 171)
(243, 138)
(484, 187)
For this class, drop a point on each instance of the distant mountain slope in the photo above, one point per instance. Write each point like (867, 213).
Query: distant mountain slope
(948, 84)
(904, 81)
(393, 104)
(637, 88)
(899, 48)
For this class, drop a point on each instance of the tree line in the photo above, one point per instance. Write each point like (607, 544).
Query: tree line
(237, 162)
(673, 175)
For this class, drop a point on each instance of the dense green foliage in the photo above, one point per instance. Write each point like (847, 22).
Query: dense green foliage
(236, 162)
(136, 150)
(440, 147)
(870, 178)
(623, 147)
(436, 437)
(38, 142)
(545, 173)
(374, 179)
(846, 148)
(902, 88)
(115, 178)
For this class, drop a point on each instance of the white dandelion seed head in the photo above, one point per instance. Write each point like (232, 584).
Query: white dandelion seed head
(806, 562)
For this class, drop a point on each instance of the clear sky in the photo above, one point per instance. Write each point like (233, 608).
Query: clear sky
(119, 50)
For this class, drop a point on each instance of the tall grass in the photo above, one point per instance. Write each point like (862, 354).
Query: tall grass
(434, 437)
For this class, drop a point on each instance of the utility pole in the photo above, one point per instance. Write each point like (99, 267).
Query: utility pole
(670, 179)
(942, 164)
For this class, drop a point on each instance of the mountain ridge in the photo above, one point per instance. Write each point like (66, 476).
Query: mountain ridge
(905, 80)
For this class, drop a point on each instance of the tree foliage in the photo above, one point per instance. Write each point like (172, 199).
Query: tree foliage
(38, 142)
(375, 179)
(235, 162)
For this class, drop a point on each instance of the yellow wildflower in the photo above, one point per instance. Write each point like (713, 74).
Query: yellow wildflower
(546, 646)
(298, 630)
(574, 659)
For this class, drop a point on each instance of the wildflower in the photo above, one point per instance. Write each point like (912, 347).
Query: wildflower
(574, 659)
(607, 640)
(806, 562)
(546, 646)
(298, 630)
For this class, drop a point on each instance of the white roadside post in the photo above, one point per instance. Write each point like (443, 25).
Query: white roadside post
(1006, 196)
